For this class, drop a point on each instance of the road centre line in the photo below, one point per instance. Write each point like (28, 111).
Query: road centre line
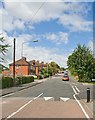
(86, 115)
(23, 107)
(77, 89)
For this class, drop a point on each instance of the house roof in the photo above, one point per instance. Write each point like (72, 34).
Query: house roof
(21, 62)
(37, 63)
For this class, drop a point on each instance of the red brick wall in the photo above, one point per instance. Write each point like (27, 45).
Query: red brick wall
(6, 72)
(20, 69)
(37, 70)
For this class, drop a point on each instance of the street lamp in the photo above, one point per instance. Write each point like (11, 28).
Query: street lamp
(23, 44)
(22, 55)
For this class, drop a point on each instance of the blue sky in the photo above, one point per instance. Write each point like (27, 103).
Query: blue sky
(59, 27)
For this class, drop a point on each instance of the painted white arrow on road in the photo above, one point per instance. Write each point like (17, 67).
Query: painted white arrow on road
(64, 99)
(48, 98)
(3, 102)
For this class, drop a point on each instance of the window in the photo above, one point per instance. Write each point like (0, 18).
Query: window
(17, 67)
(30, 67)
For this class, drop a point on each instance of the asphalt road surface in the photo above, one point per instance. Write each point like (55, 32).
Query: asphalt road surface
(53, 98)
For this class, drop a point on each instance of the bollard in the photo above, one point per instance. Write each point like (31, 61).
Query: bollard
(88, 94)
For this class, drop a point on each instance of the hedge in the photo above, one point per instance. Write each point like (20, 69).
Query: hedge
(23, 80)
(45, 75)
(7, 82)
(41, 76)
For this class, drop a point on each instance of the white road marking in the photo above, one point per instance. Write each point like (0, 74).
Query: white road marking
(48, 98)
(22, 107)
(64, 99)
(77, 89)
(3, 102)
(74, 90)
(86, 115)
(7, 95)
(82, 108)
(38, 96)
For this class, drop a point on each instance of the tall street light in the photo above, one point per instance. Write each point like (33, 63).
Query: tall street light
(23, 44)
(22, 55)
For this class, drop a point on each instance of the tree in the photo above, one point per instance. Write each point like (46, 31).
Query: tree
(3, 48)
(54, 68)
(80, 63)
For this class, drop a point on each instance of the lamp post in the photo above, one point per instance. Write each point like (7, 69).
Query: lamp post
(47, 68)
(22, 56)
(23, 44)
(50, 59)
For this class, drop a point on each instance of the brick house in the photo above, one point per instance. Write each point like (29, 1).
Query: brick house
(36, 67)
(23, 67)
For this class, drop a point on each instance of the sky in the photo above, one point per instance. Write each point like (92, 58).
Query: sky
(58, 26)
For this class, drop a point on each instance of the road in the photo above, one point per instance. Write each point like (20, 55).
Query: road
(53, 98)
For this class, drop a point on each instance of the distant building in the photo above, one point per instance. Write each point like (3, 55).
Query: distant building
(24, 67)
(36, 67)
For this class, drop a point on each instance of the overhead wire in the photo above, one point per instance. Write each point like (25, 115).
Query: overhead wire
(38, 9)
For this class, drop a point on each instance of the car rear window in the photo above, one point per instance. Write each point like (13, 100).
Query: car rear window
(65, 76)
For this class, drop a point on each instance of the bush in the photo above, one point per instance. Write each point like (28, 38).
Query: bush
(46, 75)
(7, 82)
(84, 79)
(24, 80)
(41, 76)
(29, 79)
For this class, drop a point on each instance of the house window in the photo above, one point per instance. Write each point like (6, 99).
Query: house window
(31, 67)
(17, 67)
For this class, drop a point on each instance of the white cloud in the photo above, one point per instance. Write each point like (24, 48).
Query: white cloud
(38, 53)
(19, 24)
(44, 54)
(17, 13)
(76, 23)
(10, 23)
(58, 38)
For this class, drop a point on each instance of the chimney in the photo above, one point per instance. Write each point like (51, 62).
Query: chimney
(42, 62)
(37, 61)
(24, 58)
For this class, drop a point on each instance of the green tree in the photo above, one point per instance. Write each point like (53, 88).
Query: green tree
(3, 48)
(54, 68)
(80, 63)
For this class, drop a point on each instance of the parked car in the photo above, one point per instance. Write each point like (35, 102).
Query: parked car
(65, 77)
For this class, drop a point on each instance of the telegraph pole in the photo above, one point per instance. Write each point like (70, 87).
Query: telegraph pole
(14, 62)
